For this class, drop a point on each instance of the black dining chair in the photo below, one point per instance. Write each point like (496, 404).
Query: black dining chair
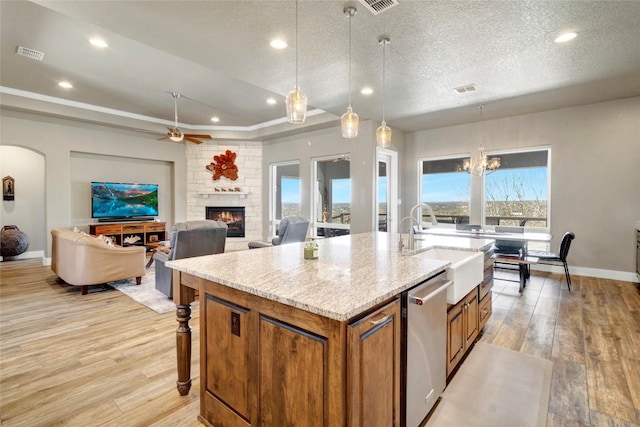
(558, 258)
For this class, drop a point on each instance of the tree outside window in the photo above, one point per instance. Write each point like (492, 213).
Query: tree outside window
(517, 193)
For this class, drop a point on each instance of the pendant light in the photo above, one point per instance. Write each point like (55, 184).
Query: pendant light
(349, 120)
(383, 133)
(481, 165)
(296, 100)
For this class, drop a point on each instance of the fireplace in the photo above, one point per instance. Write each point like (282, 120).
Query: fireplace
(233, 216)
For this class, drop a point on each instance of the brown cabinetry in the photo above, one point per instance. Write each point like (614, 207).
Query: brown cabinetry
(466, 319)
(462, 328)
(267, 364)
(132, 233)
(373, 370)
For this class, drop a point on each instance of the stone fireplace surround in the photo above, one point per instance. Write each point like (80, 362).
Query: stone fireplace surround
(201, 188)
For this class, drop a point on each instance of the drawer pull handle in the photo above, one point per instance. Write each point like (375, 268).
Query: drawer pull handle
(379, 321)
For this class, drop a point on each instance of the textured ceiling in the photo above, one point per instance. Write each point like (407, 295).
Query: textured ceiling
(217, 54)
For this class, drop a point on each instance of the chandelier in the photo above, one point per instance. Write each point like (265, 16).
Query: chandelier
(481, 164)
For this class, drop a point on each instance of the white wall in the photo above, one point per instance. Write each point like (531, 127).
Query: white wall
(86, 167)
(28, 210)
(595, 172)
(57, 140)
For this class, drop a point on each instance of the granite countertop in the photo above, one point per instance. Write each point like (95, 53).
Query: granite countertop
(352, 273)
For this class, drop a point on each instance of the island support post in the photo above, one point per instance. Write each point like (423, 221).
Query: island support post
(183, 295)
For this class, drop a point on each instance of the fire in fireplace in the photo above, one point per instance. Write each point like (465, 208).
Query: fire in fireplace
(233, 216)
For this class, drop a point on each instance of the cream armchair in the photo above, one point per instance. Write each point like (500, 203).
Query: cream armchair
(82, 260)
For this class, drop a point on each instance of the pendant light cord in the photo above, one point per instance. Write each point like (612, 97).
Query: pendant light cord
(296, 43)
(175, 109)
(384, 62)
(350, 16)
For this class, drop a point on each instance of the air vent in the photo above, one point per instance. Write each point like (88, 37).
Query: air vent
(378, 6)
(465, 89)
(30, 53)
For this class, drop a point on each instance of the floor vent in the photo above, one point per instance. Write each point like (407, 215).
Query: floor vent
(378, 6)
(30, 53)
(465, 89)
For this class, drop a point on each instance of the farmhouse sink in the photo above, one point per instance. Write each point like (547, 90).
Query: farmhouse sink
(466, 270)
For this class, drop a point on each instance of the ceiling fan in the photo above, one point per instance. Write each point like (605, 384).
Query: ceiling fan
(176, 134)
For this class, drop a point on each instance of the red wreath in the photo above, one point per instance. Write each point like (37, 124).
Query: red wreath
(223, 166)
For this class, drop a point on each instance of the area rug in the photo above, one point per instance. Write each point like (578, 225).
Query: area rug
(145, 293)
(496, 387)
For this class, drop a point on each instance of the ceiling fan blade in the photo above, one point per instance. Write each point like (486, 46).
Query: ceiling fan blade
(195, 141)
(197, 135)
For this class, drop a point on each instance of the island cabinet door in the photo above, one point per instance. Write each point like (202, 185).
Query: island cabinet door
(471, 318)
(292, 361)
(455, 336)
(226, 373)
(373, 366)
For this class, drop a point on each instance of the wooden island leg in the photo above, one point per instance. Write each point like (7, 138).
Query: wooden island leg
(183, 296)
(183, 347)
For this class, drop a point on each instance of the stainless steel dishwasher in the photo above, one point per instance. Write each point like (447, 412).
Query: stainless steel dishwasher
(425, 325)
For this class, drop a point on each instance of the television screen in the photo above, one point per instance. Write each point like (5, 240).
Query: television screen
(123, 200)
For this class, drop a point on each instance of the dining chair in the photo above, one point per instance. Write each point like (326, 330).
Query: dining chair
(560, 257)
(509, 254)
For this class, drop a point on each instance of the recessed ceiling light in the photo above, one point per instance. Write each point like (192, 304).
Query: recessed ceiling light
(565, 37)
(366, 91)
(215, 119)
(271, 101)
(98, 42)
(65, 85)
(278, 44)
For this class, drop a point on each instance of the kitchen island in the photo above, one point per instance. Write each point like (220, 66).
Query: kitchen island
(289, 341)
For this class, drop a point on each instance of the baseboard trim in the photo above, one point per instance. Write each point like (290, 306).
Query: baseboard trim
(25, 255)
(625, 276)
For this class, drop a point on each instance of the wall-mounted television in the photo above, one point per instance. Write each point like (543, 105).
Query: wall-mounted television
(123, 201)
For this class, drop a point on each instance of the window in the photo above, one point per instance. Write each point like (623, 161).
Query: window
(341, 200)
(285, 184)
(445, 190)
(332, 200)
(383, 196)
(517, 194)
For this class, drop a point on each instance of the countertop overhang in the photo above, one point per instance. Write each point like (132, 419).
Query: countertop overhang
(352, 274)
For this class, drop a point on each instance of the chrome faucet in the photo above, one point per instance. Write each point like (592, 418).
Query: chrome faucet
(412, 231)
(434, 221)
(411, 234)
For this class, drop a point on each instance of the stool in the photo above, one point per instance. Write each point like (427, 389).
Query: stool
(13, 242)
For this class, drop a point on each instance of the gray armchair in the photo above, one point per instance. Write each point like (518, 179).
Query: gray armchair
(188, 239)
(291, 229)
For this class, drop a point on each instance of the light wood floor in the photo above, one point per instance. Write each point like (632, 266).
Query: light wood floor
(592, 335)
(104, 360)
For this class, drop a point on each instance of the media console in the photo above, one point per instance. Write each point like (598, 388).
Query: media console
(147, 234)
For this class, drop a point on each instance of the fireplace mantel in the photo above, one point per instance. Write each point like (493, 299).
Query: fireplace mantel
(206, 195)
